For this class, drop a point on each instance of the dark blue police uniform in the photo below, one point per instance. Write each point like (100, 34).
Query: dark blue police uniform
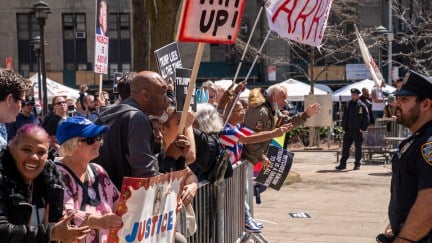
(355, 117)
(412, 172)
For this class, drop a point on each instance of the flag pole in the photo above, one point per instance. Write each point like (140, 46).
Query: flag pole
(248, 43)
(247, 76)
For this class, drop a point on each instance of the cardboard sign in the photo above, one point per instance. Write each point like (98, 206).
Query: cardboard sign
(275, 176)
(168, 59)
(101, 54)
(300, 21)
(211, 21)
(148, 207)
(182, 80)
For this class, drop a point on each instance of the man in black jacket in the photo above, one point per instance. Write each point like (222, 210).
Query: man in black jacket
(355, 121)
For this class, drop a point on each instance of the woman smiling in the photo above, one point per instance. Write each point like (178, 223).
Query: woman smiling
(31, 192)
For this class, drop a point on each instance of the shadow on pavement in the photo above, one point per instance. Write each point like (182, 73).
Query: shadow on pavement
(332, 171)
(381, 174)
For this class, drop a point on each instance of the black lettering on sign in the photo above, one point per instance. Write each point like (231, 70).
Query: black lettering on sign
(214, 19)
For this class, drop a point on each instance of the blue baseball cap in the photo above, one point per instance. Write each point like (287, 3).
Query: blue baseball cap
(78, 127)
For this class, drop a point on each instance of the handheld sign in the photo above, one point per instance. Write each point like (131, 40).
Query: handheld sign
(148, 207)
(168, 59)
(211, 21)
(281, 161)
(300, 21)
(182, 85)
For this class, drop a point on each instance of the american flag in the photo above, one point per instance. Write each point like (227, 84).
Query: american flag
(229, 140)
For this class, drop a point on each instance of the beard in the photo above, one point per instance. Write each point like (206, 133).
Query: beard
(408, 118)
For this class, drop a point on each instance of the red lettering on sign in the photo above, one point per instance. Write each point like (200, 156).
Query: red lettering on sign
(283, 7)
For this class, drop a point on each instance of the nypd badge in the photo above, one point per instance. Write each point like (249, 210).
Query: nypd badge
(426, 151)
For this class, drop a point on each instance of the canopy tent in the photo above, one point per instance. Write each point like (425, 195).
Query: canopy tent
(324, 87)
(53, 89)
(297, 90)
(344, 93)
(226, 83)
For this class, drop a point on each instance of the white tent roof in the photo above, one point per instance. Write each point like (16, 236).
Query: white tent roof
(297, 90)
(226, 83)
(53, 89)
(345, 92)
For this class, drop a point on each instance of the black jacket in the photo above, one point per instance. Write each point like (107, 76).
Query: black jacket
(16, 204)
(355, 117)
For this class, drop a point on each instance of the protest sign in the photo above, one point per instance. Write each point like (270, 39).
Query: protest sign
(281, 161)
(148, 207)
(300, 21)
(168, 59)
(182, 84)
(211, 21)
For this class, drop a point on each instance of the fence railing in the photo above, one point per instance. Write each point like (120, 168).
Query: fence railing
(219, 210)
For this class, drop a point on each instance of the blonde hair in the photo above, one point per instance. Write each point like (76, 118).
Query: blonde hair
(68, 147)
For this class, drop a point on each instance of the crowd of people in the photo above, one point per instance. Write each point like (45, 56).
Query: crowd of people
(60, 176)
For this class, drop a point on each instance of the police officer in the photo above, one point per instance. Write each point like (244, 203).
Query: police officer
(355, 120)
(410, 209)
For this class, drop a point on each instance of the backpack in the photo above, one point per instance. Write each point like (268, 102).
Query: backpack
(221, 168)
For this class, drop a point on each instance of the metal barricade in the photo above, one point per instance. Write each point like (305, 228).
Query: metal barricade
(219, 209)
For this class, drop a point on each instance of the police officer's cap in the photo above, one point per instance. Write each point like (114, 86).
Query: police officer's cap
(416, 84)
(355, 91)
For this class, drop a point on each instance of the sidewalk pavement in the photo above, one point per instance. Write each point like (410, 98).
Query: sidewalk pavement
(348, 206)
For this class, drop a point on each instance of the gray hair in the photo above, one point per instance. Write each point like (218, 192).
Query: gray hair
(67, 148)
(276, 88)
(208, 118)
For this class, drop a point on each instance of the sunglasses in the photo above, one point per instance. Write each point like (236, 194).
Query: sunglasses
(92, 140)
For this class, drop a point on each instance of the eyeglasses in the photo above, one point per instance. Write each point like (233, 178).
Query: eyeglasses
(60, 103)
(92, 140)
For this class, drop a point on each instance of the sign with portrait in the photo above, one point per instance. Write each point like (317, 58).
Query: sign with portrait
(101, 38)
(182, 80)
(281, 161)
(211, 21)
(168, 59)
(148, 207)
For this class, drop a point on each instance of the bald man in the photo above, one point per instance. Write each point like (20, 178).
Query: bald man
(127, 148)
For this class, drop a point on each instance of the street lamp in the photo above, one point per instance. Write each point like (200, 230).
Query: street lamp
(36, 47)
(41, 11)
(389, 34)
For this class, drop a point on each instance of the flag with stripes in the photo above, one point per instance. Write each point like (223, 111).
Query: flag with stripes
(229, 140)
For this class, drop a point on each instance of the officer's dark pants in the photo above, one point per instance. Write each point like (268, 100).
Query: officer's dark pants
(348, 139)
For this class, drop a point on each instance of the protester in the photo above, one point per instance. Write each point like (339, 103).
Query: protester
(31, 192)
(52, 121)
(389, 109)
(89, 108)
(123, 85)
(128, 146)
(410, 212)
(378, 100)
(233, 136)
(12, 93)
(71, 106)
(26, 116)
(367, 100)
(355, 121)
(263, 108)
(89, 192)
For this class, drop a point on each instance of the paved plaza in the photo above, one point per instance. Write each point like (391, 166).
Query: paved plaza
(348, 206)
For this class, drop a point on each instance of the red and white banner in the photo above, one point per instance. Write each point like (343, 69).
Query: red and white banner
(369, 61)
(148, 207)
(211, 21)
(299, 20)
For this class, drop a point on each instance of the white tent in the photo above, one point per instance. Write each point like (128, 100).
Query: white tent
(53, 89)
(345, 92)
(324, 87)
(297, 90)
(226, 83)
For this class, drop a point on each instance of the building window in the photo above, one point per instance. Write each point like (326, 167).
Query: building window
(75, 42)
(27, 29)
(119, 43)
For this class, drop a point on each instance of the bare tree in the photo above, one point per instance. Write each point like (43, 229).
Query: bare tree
(413, 37)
